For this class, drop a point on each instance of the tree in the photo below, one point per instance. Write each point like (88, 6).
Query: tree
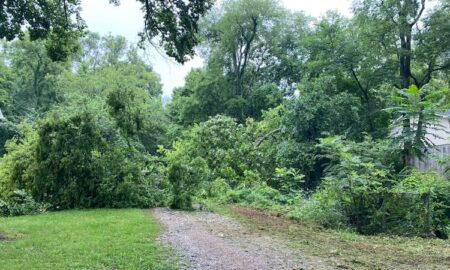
(110, 72)
(32, 90)
(93, 146)
(333, 48)
(416, 40)
(244, 42)
(413, 105)
(7, 78)
(237, 38)
(175, 22)
(58, 21)
(204, 95)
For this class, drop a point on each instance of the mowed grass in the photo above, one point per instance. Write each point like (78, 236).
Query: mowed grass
(347, 250)
(93, 239)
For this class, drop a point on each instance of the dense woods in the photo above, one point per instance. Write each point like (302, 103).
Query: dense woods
(313, 118)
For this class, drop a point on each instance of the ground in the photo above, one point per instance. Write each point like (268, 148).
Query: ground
(207, 240)
(243, 238)
(94, 239)
(231, 238)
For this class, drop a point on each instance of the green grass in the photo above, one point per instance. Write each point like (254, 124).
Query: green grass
(345, 249)
(93, 239)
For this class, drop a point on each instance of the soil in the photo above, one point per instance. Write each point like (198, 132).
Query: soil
(3, 237)
(206, 240)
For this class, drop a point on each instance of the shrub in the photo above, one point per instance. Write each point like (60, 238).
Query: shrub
(260, 196)
(7, 131)
(184, 179)
(430, 211)
(319, 210)
(20, 203)
(360, 191)
(78, 159)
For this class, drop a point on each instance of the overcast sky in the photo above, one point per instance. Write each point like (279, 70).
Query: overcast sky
(126, 20)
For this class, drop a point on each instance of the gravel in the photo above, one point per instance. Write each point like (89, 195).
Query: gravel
(207, 240)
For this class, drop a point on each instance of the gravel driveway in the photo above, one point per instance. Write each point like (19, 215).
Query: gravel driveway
(207, 240)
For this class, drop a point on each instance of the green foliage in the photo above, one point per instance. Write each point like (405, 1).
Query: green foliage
(321, 108)
(114, 78)
(421, 107)
(259, 196)
(218, 159)
(432, 193)
(290, 114)
(354, 176)
(91, 150)
(195, 102)
(16, 167)
(184, 179)
(207, 153)
(59, 22)
(244, 44)
(20, 203)
(174, 22)
(223, 145)
(73, 161)
(362, 190)
(321, 209)
(6, 86)
(65, 173)
(7, 131)
(32, 89)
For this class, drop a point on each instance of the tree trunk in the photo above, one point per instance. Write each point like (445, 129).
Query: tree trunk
(405, 75)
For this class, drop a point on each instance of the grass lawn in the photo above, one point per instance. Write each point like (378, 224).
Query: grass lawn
(93, 239)
(347, 250)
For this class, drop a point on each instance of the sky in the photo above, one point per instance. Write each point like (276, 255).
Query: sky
(126, 20)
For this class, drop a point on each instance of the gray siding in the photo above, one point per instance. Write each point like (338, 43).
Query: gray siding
(431, 160)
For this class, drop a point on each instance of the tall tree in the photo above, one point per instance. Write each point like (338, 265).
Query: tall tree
(236, 37)
(417, 39)
(244, 43)
(33, 88)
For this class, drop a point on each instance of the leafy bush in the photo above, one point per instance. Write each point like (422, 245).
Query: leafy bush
(430, 211)
(218, 157)
(319, 209)
(185, 179)
(78, 159)
(20, 203)
(16, 167)
(216, 149)
(362, 191)
(260, 196)
(7, 131)
(353, 176)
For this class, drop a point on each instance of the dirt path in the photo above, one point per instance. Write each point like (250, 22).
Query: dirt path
(210, 241)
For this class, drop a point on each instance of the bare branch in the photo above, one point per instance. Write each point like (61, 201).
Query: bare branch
(422, 8)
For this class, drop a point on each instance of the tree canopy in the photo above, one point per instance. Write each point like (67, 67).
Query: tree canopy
(174, 22)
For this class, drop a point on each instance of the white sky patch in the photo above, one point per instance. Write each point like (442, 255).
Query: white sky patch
(127, 20)
(317, 8)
